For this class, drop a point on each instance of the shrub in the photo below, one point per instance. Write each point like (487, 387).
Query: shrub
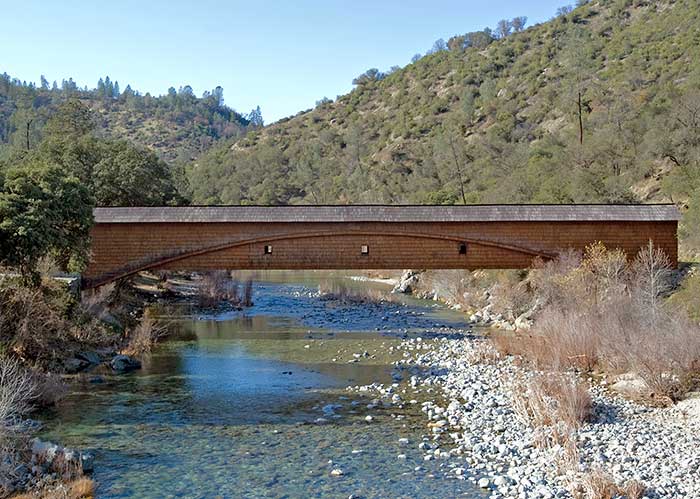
(17, 390)
(96, 301)
(217, 287)
(605, 315)
(338, 291)
(142, 337)
(596, 484)
(510, 295)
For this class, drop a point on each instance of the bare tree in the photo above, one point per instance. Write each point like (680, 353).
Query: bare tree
(17, 390)
(651, 272)
(503, 28)
(518, 23)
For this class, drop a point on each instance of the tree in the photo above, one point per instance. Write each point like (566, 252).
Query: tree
(450, 152)
(518, 23)
(71, 120)
(578, 57)
(130, 176)
(438, 46)
(651, 270)
(372, 74)
(218, 95)
(416, 58)
(255, 117)
(43, 211)
(564, 11)
(479, 39)
(503, 28)
(456, 43)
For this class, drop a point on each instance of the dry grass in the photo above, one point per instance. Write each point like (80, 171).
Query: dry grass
(510, 295)
(550, 399)
(338, 291)
(218, 287)
(140, 339)
(597, 484)
(483, 352)
(50, 388)
(81, 488)
(461, 287)
(633, 489)
(41, 324)
(96, 301)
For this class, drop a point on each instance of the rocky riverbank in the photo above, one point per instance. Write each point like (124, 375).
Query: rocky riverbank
(479, 300)
(466, 392)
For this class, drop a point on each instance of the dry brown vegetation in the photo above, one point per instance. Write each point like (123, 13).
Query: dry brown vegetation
(17, 390)
(597, 484)
(81, 488)
(96, 302)
(337, 291)
(607, 314)
(553, 401)
(41, 324)
(219, 287)
(141, 338)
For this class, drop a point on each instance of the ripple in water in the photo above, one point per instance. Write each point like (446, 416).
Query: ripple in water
(228, 415)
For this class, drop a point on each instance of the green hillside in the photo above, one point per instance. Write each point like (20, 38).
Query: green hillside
(177, 126)
(600, 104)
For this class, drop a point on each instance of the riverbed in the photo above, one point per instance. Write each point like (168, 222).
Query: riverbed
(253, 404)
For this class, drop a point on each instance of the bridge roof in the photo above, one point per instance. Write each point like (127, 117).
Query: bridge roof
(386, 213)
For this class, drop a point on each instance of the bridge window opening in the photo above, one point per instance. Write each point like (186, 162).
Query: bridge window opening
(364, 249)
(268, 249)
(463, 249)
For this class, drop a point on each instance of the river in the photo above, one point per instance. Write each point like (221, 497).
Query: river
(253, 404)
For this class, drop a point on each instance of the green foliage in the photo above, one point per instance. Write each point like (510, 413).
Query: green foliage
(178, 126)
(43, 211)
(116, 172)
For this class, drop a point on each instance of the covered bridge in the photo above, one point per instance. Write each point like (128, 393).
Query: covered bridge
(128, 240)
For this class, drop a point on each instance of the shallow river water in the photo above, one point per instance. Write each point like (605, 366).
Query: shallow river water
(230, 408)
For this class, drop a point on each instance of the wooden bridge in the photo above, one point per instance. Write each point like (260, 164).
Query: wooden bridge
(129, 240)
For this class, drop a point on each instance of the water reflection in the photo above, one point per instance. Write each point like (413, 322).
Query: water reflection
(229, 408)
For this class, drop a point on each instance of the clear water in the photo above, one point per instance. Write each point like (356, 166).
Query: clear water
(229, 409)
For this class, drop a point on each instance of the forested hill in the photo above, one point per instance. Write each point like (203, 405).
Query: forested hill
(178, 126)
(600, 104)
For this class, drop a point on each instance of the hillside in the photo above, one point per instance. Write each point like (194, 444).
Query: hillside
(600, 104)
(178, 126)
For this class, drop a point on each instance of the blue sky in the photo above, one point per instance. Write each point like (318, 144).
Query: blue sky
(282, 55)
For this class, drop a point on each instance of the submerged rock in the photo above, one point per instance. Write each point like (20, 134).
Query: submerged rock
(87, 460)
(124, 363)
(74, 365)
(90, 357)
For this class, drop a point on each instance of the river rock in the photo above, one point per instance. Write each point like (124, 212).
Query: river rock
(407, 283)
(124, 363)
(74, 365)
(87, 461)
(630, 385)
(90, 357)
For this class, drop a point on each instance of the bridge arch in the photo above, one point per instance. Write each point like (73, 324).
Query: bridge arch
(128, 240)
(179, 259)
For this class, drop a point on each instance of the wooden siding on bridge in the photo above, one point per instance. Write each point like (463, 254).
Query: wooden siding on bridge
(126, 240)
